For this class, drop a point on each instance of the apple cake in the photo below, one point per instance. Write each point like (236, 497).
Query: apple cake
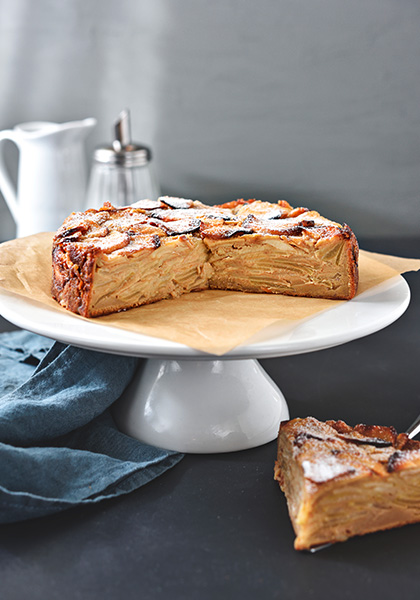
(341, 481)
(113, 259)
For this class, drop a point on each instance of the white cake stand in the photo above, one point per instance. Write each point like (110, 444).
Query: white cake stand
(186, 400)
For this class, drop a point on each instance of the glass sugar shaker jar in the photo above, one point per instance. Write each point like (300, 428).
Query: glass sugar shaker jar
(122, 172)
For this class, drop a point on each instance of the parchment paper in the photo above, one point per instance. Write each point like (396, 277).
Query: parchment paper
(211, 321)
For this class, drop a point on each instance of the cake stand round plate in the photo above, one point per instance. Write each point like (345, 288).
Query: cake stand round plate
(186, 400)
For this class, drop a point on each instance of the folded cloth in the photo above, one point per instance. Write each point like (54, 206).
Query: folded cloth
(59, 445)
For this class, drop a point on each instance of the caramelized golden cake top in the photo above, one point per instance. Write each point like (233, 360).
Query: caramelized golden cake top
(331, 450)
(109, 229)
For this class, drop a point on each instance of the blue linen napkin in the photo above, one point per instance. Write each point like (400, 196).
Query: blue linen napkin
(59, 445)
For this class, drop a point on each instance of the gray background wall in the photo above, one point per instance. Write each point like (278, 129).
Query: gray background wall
(314, 101)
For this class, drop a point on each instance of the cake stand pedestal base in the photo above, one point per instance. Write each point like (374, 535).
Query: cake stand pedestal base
(201, 406)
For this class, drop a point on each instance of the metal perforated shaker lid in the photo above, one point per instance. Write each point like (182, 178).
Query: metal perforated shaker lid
(123, 152)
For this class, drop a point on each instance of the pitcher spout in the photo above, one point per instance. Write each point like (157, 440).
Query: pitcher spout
(38, 129)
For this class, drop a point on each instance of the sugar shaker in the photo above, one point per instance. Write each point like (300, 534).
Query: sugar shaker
(122, 172)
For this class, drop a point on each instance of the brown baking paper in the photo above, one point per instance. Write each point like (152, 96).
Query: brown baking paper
(212, 321)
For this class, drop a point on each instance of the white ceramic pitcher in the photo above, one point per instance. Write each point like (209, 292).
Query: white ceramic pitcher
(51, 179)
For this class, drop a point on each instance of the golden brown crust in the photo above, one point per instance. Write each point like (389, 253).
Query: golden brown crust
(312, 256)
(72, 278)
(342, 481)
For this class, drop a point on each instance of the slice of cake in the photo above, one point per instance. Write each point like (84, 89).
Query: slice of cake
(113, 259)
(341, 481)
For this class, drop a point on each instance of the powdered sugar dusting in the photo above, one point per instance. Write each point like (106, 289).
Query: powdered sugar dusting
(324, 469)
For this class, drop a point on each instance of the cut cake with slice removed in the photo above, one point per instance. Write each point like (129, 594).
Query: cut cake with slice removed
(341, 481)
(114, 259)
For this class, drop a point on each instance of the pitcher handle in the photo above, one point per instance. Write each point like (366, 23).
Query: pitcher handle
(6, 185)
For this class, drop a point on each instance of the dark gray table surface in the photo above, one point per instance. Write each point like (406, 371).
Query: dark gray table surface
(216, 526)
